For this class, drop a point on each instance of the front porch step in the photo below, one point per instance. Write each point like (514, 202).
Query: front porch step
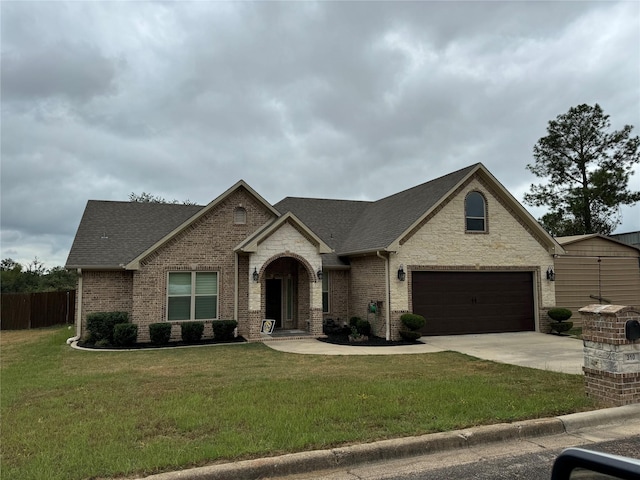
(286, 335)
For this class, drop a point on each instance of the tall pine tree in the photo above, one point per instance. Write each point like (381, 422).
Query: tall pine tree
(587, 168)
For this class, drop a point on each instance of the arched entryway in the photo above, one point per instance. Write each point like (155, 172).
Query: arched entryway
(286, 293)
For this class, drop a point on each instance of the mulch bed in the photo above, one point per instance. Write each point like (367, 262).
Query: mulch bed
(142, 346)
(343, 339)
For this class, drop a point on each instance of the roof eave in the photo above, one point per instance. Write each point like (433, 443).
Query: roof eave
(96, 267)
(368, 251)
(589, 236)
(135, 263)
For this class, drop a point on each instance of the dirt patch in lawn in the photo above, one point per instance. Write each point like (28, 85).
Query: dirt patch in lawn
(22, 337)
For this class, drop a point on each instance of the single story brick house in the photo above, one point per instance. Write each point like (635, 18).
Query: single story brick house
(459, 249)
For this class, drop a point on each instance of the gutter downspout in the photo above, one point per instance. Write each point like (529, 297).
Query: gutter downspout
(387, 309)
(78, 318)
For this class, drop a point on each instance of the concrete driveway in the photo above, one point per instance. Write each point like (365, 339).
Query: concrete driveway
(526, 349)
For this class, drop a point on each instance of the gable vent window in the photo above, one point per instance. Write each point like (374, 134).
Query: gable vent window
(239, 216)
(475, 208)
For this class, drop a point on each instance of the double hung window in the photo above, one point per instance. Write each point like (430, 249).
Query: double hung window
(192, 296)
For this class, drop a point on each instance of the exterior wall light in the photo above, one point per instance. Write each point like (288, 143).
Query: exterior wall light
(256, 276)
(319, 274)
(551, 275)
(401, 274)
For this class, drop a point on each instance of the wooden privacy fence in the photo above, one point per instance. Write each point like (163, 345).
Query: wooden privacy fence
(36, 310)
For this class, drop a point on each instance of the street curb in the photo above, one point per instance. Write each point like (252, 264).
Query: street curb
(304, 462)
(606, 416)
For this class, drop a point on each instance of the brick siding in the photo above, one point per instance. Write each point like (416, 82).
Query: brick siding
(368, 284)
(105, 291)
(611, 361)
(338, 296)
(206, 245)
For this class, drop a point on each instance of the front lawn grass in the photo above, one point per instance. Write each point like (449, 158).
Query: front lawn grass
(69, 414)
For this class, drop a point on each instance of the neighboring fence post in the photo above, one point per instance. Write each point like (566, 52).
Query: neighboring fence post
(611, 360)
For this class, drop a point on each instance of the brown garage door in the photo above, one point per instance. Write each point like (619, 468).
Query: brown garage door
(474, 302)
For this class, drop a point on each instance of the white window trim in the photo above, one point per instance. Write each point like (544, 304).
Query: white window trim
(193, 295)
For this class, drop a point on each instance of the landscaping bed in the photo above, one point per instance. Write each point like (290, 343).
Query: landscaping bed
(149, 345)
(371, 341)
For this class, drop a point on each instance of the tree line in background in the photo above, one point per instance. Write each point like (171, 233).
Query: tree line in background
(16, 278)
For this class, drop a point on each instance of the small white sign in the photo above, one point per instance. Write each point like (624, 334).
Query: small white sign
(268, 326)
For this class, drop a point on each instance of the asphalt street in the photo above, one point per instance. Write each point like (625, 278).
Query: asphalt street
(530, 466)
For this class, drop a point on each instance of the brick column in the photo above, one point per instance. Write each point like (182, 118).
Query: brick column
(254, 325)
(315, 322)
(611, 362)
(395, 324)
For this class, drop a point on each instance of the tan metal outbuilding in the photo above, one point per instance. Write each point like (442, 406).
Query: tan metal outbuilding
(596, 269)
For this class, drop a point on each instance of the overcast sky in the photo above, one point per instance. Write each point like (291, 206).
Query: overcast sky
(332, 99)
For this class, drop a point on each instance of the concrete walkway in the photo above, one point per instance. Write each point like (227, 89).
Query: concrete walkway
(526, 349)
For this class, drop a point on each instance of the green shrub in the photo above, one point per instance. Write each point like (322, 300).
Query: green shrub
(559, 314)
(561, 327)
(104, 343)
(160, 333)
(353, 321)
(89, 338)
(410, 335)
(363, 327)
(412, 324)
(412, 321)
(191, 331)
(223, 329)
(100, 325)
(125, 334)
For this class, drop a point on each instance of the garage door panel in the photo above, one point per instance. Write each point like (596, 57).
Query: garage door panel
(474, 302)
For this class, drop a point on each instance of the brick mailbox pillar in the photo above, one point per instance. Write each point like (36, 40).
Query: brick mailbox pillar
(611, 360)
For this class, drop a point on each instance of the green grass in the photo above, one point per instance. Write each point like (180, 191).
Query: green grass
(69, 414)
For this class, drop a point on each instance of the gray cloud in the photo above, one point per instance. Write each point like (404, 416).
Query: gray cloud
(76, 71)
(328, 99)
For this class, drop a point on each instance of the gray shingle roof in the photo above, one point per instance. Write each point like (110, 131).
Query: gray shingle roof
(331, 220)
(114, 233)
(350, 227)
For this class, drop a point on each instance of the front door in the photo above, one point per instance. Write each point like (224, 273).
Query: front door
(274, 301)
